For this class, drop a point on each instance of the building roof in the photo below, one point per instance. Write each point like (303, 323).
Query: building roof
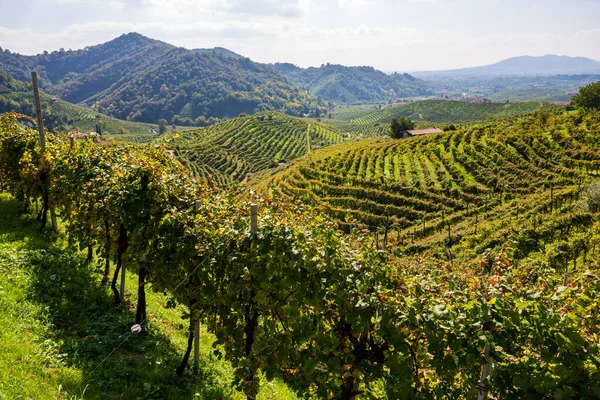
(417, 132)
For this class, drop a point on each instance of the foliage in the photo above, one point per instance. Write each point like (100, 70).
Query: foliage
(482, 183)
(63, 116)
(449, 111)
(329, 313)
(399, 127)
(233, 150)
(591, 196)
(139, 79)
(588, 96)
(350, 84)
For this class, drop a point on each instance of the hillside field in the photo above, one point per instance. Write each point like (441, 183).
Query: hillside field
(229, 151)
(477, 185)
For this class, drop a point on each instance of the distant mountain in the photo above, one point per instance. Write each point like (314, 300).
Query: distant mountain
(349, 84)
(525, 65)
(137, 78)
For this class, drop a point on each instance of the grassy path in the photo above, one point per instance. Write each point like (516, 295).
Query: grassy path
(58, 325)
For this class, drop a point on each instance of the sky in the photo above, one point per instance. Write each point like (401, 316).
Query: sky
(391, 35)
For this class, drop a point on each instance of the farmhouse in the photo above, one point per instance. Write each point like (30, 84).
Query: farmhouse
(420, 132)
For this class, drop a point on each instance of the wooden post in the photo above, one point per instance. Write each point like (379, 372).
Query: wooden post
(71, 142)
(385, 237)
(486, 369)
(197, 323)
(40, 123)
(253, 218)
(551, 199)
(38, 112)
(122, 291)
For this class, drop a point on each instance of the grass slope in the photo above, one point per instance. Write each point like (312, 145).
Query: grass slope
(497, 177)
(230, 150)
(58, 329)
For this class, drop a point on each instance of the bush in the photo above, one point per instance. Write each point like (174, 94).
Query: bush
(588, 96)
(399, 126)
(591, 197)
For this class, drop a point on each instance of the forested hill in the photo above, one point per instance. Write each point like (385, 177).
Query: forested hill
(348, 84)
(141, 79)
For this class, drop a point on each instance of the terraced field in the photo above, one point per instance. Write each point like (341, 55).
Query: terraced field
(429, 191)
(446, 111)
(229, 151)
(62, 115)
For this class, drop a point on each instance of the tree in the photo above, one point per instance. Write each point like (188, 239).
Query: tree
(162, 126)
(317, 113)
(588, 96)
(398, 127)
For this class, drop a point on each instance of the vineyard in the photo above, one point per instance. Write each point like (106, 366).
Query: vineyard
(480, 184)
(445, 111)
(66, 116)
(227, 152)
(288, 296)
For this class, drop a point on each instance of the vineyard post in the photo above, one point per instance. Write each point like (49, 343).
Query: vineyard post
(486, 369)
(385, 234)
(551, 198)
(122, 291)
(476, 220)
(253, 218)
(40, 123)
(197, 323)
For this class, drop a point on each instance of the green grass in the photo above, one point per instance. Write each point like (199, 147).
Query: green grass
(59, 325)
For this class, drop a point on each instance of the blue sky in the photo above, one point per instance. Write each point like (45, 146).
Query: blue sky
(392, 35)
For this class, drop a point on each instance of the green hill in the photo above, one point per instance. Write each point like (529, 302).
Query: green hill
(230, 150)
(477, 185)
(60, 115)
(136, 78)
(351, 84)
(449, 111)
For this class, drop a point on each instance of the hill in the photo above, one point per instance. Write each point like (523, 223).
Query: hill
(448, 111)
(229, 151)
(137, 78)
(525, 65)
(62, 116)
(352, 84)
(477, 185)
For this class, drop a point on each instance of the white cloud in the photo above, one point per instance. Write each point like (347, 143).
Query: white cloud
(388, 34)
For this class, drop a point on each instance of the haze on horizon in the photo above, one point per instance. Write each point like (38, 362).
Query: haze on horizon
(400, 35)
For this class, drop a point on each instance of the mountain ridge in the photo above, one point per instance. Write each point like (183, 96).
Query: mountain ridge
(137, 78)
(345, 84)
(549, 64)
